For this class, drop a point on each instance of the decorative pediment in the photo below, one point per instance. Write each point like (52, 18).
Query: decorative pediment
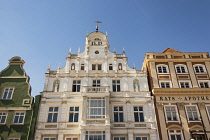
(174, 127)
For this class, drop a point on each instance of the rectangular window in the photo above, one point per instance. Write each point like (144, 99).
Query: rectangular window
(141, 138)
(49, 138)
(19, 118)
(110, 67)
(118, 114)
(138, 114)
(180, 69)
(71, 139)
(73, 114)
(184, 84)
(96, 67)
(3, 116)
(208, 111)
(52, 114)
(119, 138)
(165, 85)
(95, 135)
(96, 107)
(192, 113)
(116, 85)
(82, 67)
(7, 94)
(204, 84)
(176, 136)
(162, 69)
(76, 86)
(171, 114)
(96, 83)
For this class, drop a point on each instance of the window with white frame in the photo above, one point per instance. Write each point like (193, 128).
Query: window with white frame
(208, 110)
(204, 84)
(52, 115)
(49, 138)
(162, 68)
(184, 84)
(181, 69)
(7, 94)
(192, 113)
(95, 135)
(73, 114)
(76, 85)
(176, 135)
(116, 85)
(19, 117)
(96, 67)
(119, 138)
(199, 68)
(165, 84)
(141, 138)
(3, 116)
(96, 83)
(118, 114)
(96, 107)
(82, 66)
(138, 114)
(171, 113)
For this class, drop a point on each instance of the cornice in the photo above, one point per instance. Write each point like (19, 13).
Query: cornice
(181, 91)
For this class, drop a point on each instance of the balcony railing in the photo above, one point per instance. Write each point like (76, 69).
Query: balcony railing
(90, 89)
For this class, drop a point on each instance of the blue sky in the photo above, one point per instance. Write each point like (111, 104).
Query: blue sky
(42, 31)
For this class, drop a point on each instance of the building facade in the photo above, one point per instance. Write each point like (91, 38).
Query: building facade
(96, 96)
(180, 85)
(17, 120)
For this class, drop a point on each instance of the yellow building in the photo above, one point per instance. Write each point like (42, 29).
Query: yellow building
(180, 86)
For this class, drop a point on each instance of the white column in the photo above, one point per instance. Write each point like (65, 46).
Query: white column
(60, 136)
(130, 135)
(107, 135)
(107, 110)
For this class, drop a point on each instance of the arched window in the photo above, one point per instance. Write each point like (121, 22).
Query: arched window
(162, 68)
(120, 66)
(199, 68)
(73, 66)
(181, 68)
(82, 66)
(110, 67)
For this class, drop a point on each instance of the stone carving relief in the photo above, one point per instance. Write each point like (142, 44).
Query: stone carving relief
(159, 106)
(56, 86)
(201, 105)
(180, 105)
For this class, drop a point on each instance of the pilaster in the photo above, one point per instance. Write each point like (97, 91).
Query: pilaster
(173, 75)
(192, 75)
(154, 75)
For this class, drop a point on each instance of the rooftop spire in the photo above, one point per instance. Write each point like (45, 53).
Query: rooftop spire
(96, 28)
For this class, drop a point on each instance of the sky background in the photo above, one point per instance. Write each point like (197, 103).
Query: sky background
(43, 31)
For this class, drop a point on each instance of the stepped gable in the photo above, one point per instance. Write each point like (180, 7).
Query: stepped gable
(169, 50)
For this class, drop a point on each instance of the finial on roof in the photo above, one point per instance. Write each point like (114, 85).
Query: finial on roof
(79, 50)
(114, 50)
(123, 51)
(69, 53)
(106, 33)
(96, 28)
(134, 66)
(48, 69)
(58, 66)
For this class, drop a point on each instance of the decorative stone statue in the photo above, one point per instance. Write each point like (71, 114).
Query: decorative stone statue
(120, 66)
(56, 87)
(72, 67)
(136, 87)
